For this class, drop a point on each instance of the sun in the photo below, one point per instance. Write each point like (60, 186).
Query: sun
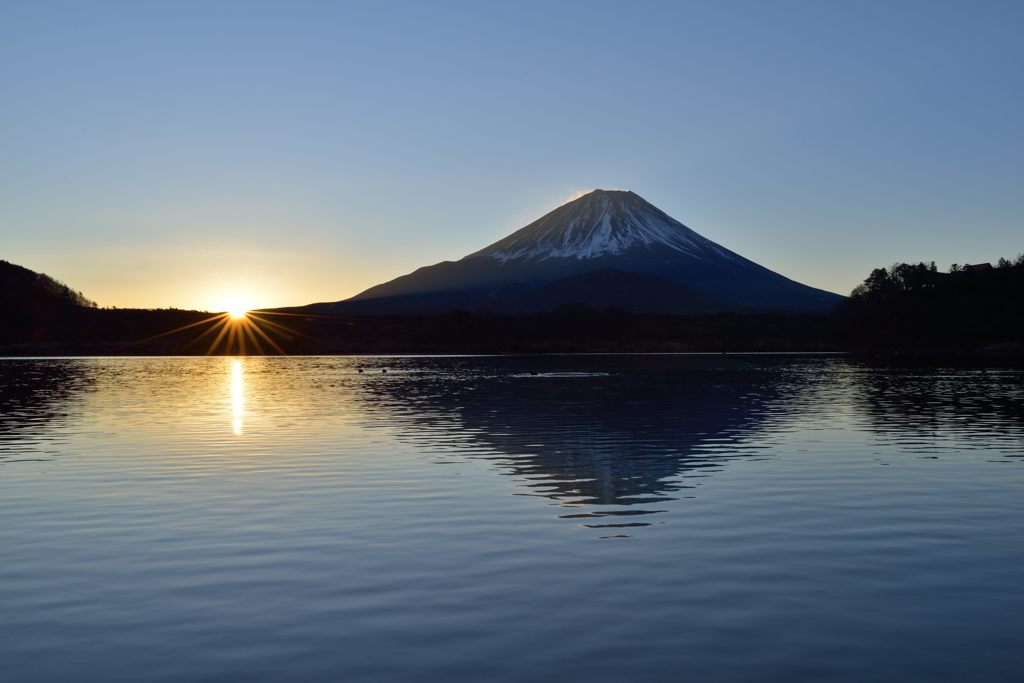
(236, 306)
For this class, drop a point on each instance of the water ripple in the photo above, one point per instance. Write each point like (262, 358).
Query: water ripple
(606, 517)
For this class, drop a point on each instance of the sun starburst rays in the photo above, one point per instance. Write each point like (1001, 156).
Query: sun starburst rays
(238, 333)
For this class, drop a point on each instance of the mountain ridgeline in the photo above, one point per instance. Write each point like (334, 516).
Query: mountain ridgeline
(607, 249)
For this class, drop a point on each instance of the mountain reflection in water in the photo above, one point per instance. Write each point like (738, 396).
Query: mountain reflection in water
(606, 443)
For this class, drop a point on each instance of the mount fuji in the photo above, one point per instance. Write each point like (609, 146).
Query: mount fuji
(608, 248)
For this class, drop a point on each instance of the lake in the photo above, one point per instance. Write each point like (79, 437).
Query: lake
(600, 518)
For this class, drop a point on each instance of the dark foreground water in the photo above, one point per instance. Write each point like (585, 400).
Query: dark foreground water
(598, 518)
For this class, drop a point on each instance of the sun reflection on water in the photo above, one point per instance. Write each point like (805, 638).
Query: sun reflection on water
(237, 397)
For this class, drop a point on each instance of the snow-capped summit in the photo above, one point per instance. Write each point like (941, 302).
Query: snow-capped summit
(608, 248)
(601, 223)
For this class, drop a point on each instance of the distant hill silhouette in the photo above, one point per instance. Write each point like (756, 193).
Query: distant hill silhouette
(30, 302)
(21, 288)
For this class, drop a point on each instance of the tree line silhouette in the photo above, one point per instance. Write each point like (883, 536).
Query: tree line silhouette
(915, 306)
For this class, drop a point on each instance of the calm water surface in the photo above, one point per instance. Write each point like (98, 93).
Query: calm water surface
(602, 518)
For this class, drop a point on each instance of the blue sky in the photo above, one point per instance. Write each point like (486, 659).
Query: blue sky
(177, 153)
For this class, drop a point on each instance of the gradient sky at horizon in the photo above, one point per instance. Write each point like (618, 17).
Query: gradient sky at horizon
(172, 153)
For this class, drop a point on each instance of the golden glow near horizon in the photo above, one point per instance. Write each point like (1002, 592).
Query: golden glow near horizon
(237, 397)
